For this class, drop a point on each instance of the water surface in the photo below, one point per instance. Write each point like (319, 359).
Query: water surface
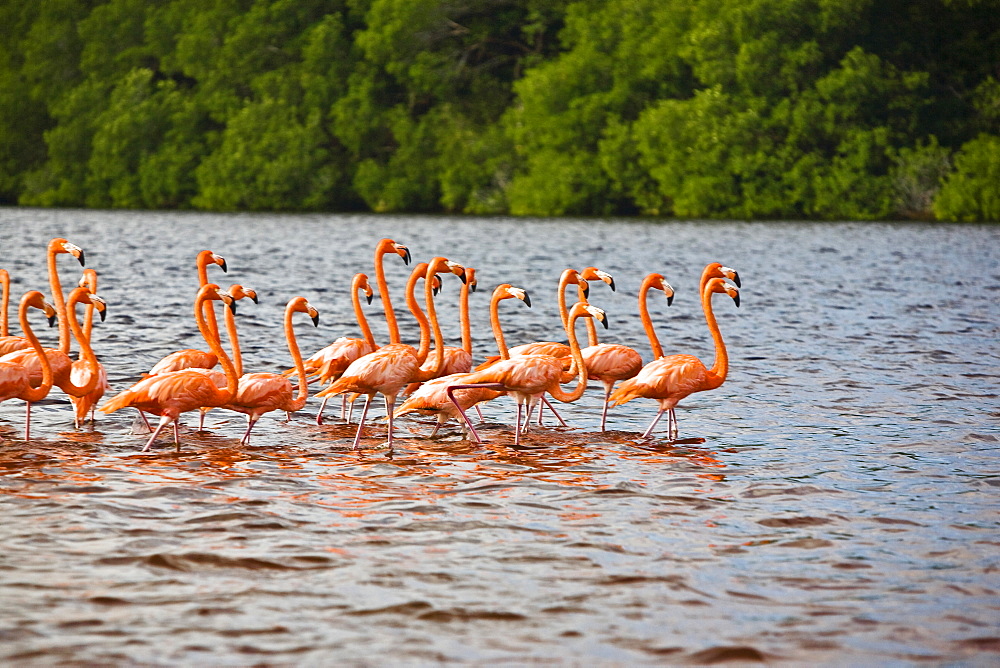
(834, 502)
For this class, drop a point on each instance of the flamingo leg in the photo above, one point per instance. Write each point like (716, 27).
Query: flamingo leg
(552, 408)
(322, 407)
(246, 437)
(389, 403)
(604, 410)
(517, 422)
(145, 420)
(649, 430)
(343, 407)
(27, 420)
(673, 425)
(201, 420)
(480, 411)
(164, 421)
(468, 423)
(361, 424)
(177, 435)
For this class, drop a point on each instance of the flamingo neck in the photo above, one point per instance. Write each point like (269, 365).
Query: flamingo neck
(204, 259)
(463, 316)
(300, 367)
(58, 300)
(581, 381)
(438, 337)
(497, 329)
(419, 272)
(581, 288)
(201, 305)
(383, 292)
(4, 302)
(647, 322)
(30, 394)
(86, 352)
(234, 340)
(359, 315)
(720, 367)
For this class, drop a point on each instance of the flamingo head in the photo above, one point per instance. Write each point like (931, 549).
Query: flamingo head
(361, 283)
(35, 299)
(595, 274)
(237, 292)
(99, 304)
(470, 278)
(718, 270)
(589, 310)
(62, 246)
(435, 284)
(88, 280)
(301, 305)
(507, 291)
(402, 251)
(717, 285)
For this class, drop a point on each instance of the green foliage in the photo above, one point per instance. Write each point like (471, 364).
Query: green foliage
(972, 191)
(713, 108)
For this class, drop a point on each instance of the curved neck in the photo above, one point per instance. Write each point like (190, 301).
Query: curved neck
(567, 278)
(581, 289)
(647, 322)
(300, 367)
(463, 313)
(32, 395)
(359, 314)
(581, 380)
(88, 314)
(383, 293)
(212, 339)
(438, 338)
(58, 300)
(720, 367)
(202, 261)
(497, 330)
(86, 352)
(234, 339)
(419, 272)
(4, 302)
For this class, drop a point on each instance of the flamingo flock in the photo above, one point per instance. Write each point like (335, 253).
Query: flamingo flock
(434, 379)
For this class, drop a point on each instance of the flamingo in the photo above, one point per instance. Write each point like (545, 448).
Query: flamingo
(82, 406)
(432, 396)
(670, 379)
(8, 343)
(331, 361)
(527, 377)
(15, 380)
(172, 393)
(57, 247)
(60, 363)
(611, 362)
(456, 360)
(260, 393)
(390, 368)
(191, 357)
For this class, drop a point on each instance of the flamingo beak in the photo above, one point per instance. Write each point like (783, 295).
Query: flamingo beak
(315, 319)
(670, 299)
(736, 280)
(435, 290)
(370, 297)
(472, 287)
(80, 258)
(611, 284)
(103, 313)
(604, 321)
(527, 299)
(232, 306)
(586, 291)
(736, 298)
(404, 253)
(253, 296)
(462, 276)
(52, 320)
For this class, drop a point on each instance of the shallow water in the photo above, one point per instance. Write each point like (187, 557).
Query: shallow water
(834, 502)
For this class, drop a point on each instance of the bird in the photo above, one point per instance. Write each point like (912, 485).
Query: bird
(192, 357)
(612, 362)
(171, 393)
(82, 406)
(432, 396)
(390, 368)
(330, 362)
(8, 343)
(260, 393)
(527, 377)
(15, 381)
(56, 247)
(672, 378)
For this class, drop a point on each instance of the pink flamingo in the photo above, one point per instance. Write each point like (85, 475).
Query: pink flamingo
(15, 380)
(670, 379)
(390, 368)
(79, 374)
(260, 393)
(171, 393)
(527, 377)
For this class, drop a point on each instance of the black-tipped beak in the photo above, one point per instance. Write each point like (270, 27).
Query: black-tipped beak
(315, 320)
(462, 276)
(737, 300)
(82, 262)
(586, 292)
(612, 284)
(472, 288)
(435, 291)
(104, 314)
(736, 280)
(232, 306)
(225, 269)
(52, 320)
(370, 298)
(406, 258)
(527, 299)
(670, 300)
(255, 299)
(604, 321)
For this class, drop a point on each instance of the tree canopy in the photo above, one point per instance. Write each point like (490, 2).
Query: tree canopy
(819, 109)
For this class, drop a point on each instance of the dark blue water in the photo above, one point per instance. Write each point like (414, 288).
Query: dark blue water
(835, 501)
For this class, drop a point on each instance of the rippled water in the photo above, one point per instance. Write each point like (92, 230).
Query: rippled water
(834, 502)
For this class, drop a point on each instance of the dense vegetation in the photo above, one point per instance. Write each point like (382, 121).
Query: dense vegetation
(832, 109)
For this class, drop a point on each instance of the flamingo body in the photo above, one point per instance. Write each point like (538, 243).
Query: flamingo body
(331, 362)
(189, 358)
(432, 398)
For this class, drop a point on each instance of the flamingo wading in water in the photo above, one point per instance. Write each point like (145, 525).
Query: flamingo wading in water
(15, 380)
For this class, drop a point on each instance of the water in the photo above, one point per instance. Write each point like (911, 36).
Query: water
(834, 502)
